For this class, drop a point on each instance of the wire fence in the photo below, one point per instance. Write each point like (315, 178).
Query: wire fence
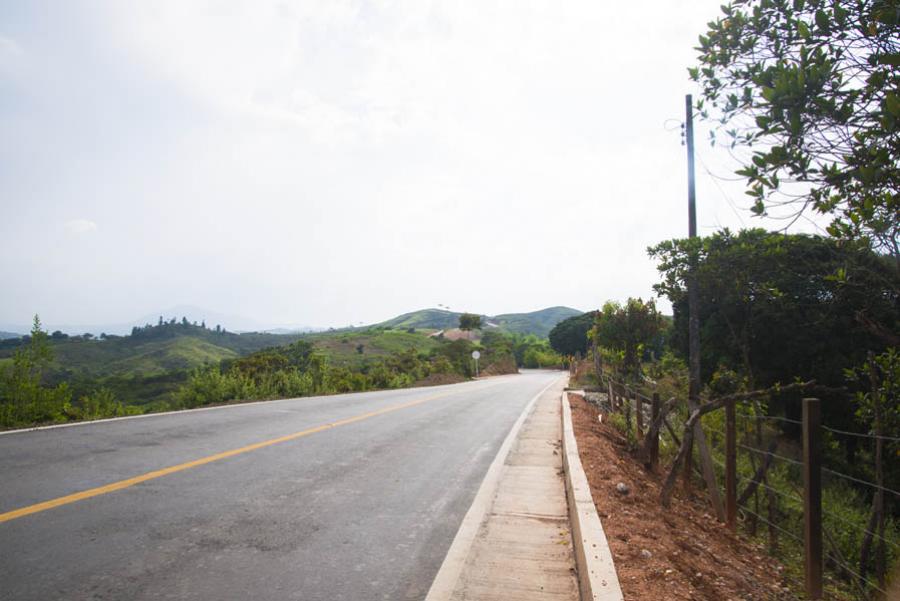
(857, 542)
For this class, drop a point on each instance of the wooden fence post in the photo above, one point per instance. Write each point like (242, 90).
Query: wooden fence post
(625, 399)
(654, 442)
(639, 412)
(812, 497)
(730, 467)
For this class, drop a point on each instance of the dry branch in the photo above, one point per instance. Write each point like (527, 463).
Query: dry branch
(666, 493)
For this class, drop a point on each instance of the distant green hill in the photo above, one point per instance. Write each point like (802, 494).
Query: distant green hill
(434, 319)
(171, 346)
(6, 335)
(538, 323)
(149, 350)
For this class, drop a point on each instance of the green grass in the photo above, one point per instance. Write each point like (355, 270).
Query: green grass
(112, 358)
(165, 355)
(341, 347)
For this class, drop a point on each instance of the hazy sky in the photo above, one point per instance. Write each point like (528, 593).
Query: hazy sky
(332, 162)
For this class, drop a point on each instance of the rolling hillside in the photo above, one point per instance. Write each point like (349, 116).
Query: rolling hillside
(433, 319)
(151, 350)
(356, 348)
(538, 323)
(169, 347)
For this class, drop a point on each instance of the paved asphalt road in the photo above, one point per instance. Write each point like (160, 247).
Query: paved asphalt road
(363, 510)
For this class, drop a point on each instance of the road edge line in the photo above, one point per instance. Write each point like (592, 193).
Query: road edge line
(597, 578)
(448, 574)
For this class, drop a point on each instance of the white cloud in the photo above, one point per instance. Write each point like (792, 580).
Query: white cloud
(9, 47)
(80, 227)
(10, 53)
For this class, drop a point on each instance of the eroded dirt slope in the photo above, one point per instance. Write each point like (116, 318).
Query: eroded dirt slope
(678, 553)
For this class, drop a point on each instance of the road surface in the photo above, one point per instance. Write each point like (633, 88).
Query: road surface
(352, 497)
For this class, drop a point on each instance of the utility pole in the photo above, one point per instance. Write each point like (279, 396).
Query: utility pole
(699, 438)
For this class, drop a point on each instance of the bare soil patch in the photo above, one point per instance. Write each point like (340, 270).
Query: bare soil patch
(439, 379)
(678, 553)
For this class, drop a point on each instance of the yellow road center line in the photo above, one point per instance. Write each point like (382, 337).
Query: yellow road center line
(108, 488)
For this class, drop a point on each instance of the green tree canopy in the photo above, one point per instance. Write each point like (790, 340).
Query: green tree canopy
(774, 307)
(469, 321)
(628, 328)
(569, 336)
(813, 87)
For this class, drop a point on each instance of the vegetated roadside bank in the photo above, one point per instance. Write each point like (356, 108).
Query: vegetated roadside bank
(35, 389)
(681, 552)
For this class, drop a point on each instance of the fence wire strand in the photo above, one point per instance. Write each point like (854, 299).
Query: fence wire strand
(775, 418)
(861, 435)
(776, 526)
(632, 393)
(866, 482)
(875, 535)
(774, 490)
(775, 455)
(854, 573)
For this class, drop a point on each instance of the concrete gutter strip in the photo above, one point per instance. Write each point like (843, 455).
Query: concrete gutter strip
(445, 582)
(597, 577)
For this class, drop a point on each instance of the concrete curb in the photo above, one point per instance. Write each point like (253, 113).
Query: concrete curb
(597, 577)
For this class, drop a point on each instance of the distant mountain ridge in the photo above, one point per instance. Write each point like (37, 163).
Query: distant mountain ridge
(538, 322)
(232, 323)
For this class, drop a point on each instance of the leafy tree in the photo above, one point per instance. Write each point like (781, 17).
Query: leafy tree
(570, 336)
(23, 397)
(628, 329)
(813, 87)
(776, 307)
(771, 307)
(469, 321)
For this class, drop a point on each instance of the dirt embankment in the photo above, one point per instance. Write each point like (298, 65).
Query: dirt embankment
(678, 553)
(439, 379)
(498, 368)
